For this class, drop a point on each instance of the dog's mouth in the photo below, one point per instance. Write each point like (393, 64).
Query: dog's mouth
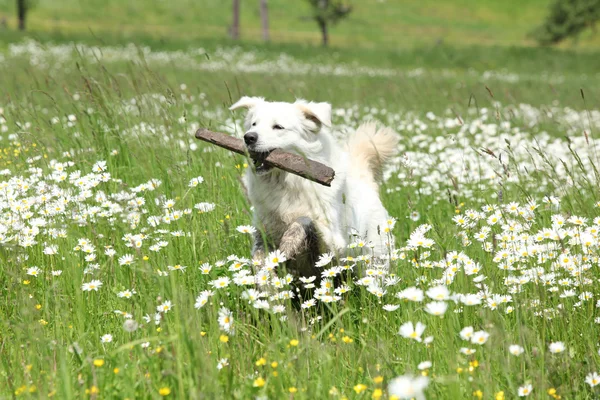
(258, 159)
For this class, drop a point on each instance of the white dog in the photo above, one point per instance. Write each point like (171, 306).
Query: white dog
(301, 218)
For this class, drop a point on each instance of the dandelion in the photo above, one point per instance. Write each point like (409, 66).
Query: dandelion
(259, 382)
(408, 330)
(130, 325)
(294, 342)
(98, 362)
(164, 391)
(359, 388)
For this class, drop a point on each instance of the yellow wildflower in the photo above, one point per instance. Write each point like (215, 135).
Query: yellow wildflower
(359, 388)
(98, 362)
(261, 361)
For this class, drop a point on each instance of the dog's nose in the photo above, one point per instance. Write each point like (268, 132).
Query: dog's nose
(250, 138)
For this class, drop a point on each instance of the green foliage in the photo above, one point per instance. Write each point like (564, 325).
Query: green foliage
(330, 11)
(568, 18)
(327, 12)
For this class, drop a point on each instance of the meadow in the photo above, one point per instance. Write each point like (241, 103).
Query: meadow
(126, 268)
(373, 24)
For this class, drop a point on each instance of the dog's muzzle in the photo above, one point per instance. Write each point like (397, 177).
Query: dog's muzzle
(258, 159)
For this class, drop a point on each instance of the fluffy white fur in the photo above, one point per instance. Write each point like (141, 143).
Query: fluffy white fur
(352, 201)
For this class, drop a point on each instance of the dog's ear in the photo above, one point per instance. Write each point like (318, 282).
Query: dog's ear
(319, 113)
(247, 102)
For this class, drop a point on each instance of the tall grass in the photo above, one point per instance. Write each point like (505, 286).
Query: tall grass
(139, 117)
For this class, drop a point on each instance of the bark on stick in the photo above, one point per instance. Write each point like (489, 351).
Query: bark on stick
(292, 163)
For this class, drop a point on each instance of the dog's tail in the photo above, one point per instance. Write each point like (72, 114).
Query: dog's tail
(371, 147)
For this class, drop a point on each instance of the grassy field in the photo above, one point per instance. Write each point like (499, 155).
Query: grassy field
(373, 23)
(115, 253)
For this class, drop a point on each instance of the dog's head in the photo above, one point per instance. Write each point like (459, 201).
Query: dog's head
(292, 127)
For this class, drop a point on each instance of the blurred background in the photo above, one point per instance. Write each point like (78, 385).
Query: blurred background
(410, 54)
(387, 24)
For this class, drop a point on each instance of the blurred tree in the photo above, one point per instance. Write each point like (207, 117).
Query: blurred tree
(264, 19)
(22, 6)
(327, 12)
(235, 26)
(567, 18)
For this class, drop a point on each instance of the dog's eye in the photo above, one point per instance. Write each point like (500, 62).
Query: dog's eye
(254, 124)
(278, 127)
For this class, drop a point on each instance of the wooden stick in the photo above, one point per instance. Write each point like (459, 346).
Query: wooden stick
(292, 163)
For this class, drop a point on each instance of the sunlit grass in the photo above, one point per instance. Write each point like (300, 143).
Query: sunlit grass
(372, 24)
(139, 118)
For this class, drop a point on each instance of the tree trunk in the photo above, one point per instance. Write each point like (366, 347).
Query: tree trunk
(235, 26)
(324, 34)
(21, 12)
(264, 19)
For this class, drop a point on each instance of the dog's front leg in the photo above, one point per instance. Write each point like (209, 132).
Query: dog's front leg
(298, 237)
(259, 252)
